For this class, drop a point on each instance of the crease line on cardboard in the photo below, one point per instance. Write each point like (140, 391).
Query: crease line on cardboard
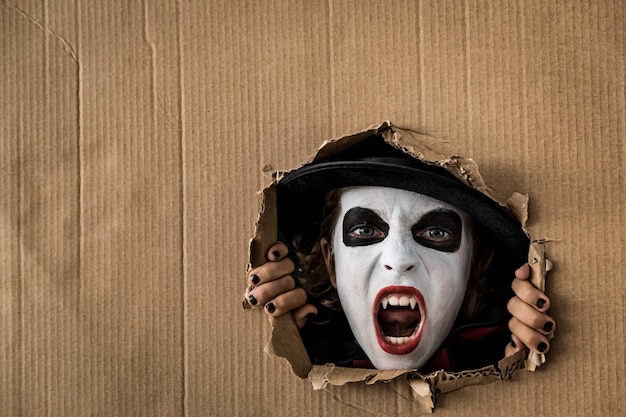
(183, 214)
(420, 61)
(331, 67)
(153, 76)
(468, 74)
(20, 321)
(65, 45)
(80, 157)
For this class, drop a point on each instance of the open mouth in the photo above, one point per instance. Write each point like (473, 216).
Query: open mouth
(399, 314)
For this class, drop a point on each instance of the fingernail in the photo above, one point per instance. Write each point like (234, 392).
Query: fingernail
(255, 279)
(541, 347)
(252, 300)
(540, 302)
(270, 307)
(276, 254)
(548, 327)
(513, 344)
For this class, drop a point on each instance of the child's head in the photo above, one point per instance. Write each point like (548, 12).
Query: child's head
(375, 227)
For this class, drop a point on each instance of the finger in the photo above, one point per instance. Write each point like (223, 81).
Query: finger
(528, 315)
(270, 271)
(534, 340)
(302, 314)
(258, 296)
(514, 346)
(286, 302)
(277, 252)
(530, 295)
(523, 272)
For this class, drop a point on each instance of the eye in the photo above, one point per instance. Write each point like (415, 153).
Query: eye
(365, 232)
(436, 233)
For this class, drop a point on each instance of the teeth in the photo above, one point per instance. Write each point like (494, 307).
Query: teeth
(397, 340)
(399, 301)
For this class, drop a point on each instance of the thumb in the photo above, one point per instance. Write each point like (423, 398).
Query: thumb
(523, 272)
(302, 314)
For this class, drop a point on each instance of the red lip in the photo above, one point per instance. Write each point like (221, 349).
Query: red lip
(402, 348)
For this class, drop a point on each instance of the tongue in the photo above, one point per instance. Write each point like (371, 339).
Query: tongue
(398, 322)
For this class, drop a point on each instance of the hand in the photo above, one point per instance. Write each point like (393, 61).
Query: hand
(530, 326)
(273, 287)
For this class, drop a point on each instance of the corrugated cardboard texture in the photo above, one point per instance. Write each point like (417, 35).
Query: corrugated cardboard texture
(132, 140)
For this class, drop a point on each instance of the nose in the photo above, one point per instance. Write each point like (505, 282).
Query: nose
(400, 268)
(398, 257)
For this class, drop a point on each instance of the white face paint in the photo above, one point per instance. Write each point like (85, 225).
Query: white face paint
(402, 263)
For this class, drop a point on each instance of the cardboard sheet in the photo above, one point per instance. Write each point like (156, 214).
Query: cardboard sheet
(133, 136)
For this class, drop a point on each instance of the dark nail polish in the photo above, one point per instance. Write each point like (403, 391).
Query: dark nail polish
(513, 344)
(541, 347)
(310, 315)
(548, 327)
(255, 279)
(252, 300)
(270, 307)
(276, 254)
(540, 303)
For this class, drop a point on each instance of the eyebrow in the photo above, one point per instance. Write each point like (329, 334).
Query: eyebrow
(441, 216)
(362, 215)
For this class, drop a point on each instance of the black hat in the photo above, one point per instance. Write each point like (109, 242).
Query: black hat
(373, 162)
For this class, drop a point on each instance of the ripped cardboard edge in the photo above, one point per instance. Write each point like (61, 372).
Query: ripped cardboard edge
(285, 341)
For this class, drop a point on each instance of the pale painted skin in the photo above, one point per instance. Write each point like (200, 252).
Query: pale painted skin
(399, 243)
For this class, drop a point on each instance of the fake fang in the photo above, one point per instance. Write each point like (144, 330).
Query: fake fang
(399, 317)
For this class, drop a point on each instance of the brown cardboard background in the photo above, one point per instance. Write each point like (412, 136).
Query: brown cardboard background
(132, 141)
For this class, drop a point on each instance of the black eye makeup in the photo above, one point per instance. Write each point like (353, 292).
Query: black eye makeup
(362, 227)
(440, 230)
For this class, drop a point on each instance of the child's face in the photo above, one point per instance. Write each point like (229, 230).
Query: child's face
(402, 262)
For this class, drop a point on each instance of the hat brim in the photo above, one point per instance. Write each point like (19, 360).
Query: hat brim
(301, 196)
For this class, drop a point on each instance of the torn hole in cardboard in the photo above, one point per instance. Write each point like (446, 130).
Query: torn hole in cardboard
(430, 371)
